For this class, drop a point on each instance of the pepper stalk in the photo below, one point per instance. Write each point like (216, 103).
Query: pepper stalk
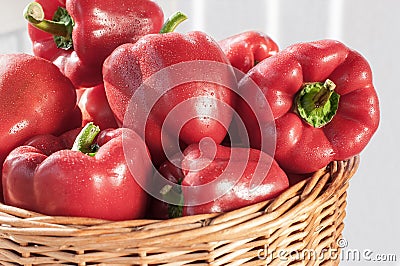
(84, 140)
(317, 103)
(172, 22)
(60, 27)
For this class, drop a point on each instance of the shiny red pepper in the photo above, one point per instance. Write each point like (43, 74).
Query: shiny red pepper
(130, 65)
(88, 180)
(323, 103)
(247, 49)
(95, 108)
(236, 177)
(87, 31)
(35, 98)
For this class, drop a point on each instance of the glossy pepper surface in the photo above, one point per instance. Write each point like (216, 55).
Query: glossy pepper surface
(247, 49)
(87, 31)
(323, 102)
(95, 108)
(35, 98)
(83, 181)
(234, 178)
(205, 104)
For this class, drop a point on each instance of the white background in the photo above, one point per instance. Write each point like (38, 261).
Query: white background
(368, 26)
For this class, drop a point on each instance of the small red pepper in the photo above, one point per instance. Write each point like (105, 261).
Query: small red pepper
(247, 49)
(323, 103)
(88, 181)
(235, 178)
(130, 65)
(95, 108)
(35, 98)
(78, 35)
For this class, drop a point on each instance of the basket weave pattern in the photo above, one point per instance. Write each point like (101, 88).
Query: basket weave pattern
(309, 215)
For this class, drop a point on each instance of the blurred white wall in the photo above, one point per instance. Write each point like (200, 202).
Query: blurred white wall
(369, 26)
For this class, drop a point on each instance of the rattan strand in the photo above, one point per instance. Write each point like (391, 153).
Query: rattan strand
(308, 216)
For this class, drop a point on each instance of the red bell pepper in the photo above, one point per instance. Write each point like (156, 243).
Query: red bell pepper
(87, 31)
(49, 143)
(88, 180)
(95, 108)
(130, 65)
(323, 103)
(35, 98)
(247, 49)
(219, 180)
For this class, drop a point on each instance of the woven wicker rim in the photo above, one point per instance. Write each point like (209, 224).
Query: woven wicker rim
(180, 237)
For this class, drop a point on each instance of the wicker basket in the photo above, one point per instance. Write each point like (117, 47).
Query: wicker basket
(307, 217)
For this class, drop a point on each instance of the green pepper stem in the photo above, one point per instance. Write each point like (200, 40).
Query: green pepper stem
(85, 138)
(34, 13)
(317, 103)
(169, 194)
(173, 22)
(323, 96)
